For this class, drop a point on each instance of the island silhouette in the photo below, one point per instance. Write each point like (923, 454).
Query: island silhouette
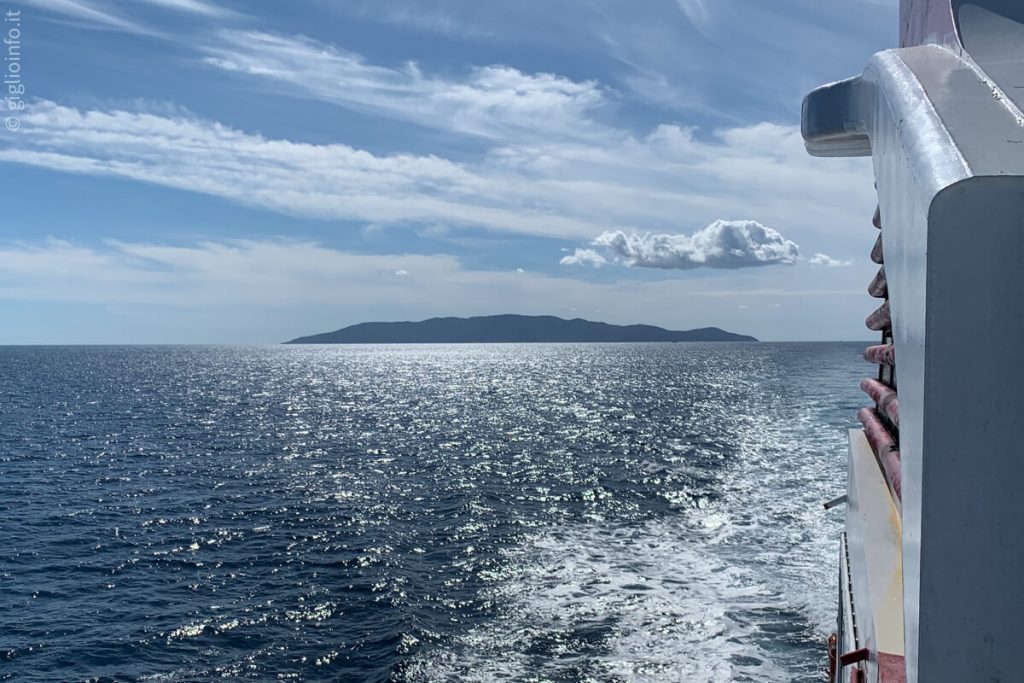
(512, 329)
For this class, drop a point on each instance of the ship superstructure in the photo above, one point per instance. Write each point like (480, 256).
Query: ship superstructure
(932, 555)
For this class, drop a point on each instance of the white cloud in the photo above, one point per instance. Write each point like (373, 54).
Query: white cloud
(108, 14)
(554, 188)
(200, 7)
(722, 244)
(548, 131)
(326, 181)
(691, 46)
(88, 12)
(493, 101)
(550, 168)
(820, 259)
(584, 257)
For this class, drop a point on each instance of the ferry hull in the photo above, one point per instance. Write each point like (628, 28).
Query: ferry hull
(933, 522)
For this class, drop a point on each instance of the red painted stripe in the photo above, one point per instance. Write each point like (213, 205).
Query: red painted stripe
(884, 397)
(884, 354)
(879, 287)
(854, 656)
(884, 448)
(891, 668)
(880, 319)
(876, 251)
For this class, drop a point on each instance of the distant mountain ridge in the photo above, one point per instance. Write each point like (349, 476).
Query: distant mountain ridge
(511, 329)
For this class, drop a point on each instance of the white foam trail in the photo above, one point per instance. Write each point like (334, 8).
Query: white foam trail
(770, 518)
(727, 590)
(634, 604)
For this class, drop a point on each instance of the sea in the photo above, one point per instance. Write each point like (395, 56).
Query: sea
(421, 513)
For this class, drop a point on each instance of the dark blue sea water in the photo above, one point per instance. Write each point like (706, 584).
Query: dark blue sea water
(573, 512)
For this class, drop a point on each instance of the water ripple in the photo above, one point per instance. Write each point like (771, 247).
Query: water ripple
(566, 512)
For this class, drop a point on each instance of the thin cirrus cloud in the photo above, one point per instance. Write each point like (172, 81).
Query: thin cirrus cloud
(492, 101)
(108, 15)
(200, 7)
(722, 244)
(89, 13)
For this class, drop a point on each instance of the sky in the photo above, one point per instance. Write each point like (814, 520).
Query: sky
(217, 171)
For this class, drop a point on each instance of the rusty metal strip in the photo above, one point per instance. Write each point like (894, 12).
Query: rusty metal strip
(884, 397)
(891, 668)
(885, 449)
(883, 354)
(880, 319)
(879, 287)
(876, 251)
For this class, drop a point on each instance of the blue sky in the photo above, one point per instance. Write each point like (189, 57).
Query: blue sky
(229, 172)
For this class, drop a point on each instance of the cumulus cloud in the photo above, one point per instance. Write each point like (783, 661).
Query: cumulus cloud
(584, 257)
(827, 261)
(722, 244)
